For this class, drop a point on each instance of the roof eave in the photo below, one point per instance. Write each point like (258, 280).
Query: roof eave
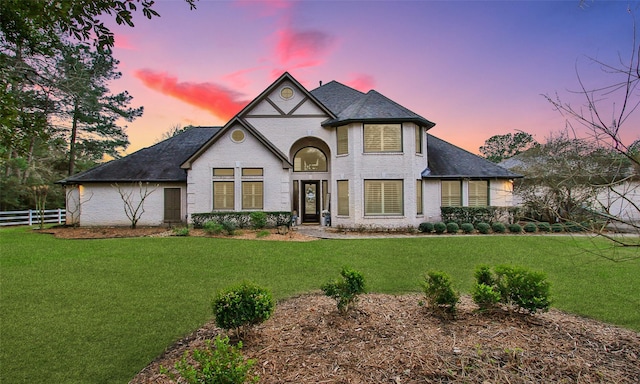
(338, 122)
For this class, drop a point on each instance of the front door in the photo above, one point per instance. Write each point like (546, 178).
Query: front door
(311, 202)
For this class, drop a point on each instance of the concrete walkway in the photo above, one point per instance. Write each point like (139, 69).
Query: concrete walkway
(323, 232)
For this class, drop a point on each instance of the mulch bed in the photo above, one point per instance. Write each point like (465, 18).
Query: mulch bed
(394, 339)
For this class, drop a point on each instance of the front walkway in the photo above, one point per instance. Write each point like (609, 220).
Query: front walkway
(323, 232)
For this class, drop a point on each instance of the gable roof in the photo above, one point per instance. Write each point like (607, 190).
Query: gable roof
(158, 163)
(445, 160)
(186, 164)
(350, 105)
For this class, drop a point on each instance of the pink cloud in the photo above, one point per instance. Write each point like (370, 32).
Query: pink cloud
(361, 82)
(123, 42)
(266, 7)
(302, 46)
(218, 100)
(238, 79)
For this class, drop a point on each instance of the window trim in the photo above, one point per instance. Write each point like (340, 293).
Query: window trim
(326, 160)
(383, 211)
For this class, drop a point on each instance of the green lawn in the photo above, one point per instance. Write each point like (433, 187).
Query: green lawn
(98, 311)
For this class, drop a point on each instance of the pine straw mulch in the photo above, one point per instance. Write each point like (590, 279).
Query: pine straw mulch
(393, 339)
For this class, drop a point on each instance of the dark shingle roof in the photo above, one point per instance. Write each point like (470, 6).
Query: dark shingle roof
(448, 161)
(158, 163)
(350, 105)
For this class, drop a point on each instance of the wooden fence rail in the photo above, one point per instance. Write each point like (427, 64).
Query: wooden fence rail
(32, 217)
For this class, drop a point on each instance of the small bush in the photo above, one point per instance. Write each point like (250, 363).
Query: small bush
(242, 306)
(498, 228)
(483, 275)
(258, 219)
(213, 228)
(263, 233)
(439, 227)
(485, 296)
(557, 227)
(467, 228)
(425, 227)
(184, 231)
(439, 293)
(217, 363)
(483, 228)
(525, 289)
(572, 226)
(530, 227)
(544, 227)
(229, 227)
(452, 227)
(345, 291)
(515, 228)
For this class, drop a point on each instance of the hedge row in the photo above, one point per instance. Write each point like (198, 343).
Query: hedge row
(475, 215)
(241, 219)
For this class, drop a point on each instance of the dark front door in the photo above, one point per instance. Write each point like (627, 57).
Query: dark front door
(310, 202)
(172, 202)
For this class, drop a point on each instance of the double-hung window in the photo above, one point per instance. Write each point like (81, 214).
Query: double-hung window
(252, 188)
(223, 189)
(343, 197)
(382, 138)
(342, 137)
(418, 139)
(383, 198)
(478, 193)
(451, 193)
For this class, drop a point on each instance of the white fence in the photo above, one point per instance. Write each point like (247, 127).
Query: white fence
(32, 217)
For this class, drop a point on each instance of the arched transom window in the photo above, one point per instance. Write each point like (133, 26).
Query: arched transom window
(310, 159)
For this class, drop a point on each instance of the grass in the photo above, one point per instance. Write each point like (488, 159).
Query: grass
(98, 311)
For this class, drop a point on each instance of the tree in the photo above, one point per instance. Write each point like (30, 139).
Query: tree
(90, 111)
(174, 130)
(501, 147)
(605, 116)
(134, 206)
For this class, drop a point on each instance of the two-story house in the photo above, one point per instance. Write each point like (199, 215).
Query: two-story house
(360, 156)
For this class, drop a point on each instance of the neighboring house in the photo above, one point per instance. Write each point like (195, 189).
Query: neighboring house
(361, 156)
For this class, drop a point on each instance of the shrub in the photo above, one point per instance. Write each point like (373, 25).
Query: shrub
(425, 227)
(483, 275)
(530, 227)
(483, 228)
(498, 228)
(515, 228)
(544, 227)
(525, 289)
(242, 306)
(184, 231)
(572, 226)
(217, 363)
(439, 293)
(258, 219)
(263, 233)
(452, 227)
(467, 228)
(557, 227)
(213, 228)
(229, 227)
(345, 291)
(485, 296)
(439, 227)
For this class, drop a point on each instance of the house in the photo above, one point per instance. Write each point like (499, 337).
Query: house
(360, 156)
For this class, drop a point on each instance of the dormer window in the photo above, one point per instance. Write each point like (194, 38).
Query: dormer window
(382, 138)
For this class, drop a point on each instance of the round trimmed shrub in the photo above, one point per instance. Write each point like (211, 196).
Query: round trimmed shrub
(498, 228)
(467, 228)
(425, 227)
(483, 228)
(241, 306)
(439, 292)
(515, 228)
(572, 226)
(530, 227)
(452, 227)
(439, 227)
(557, 227)
(544, 227)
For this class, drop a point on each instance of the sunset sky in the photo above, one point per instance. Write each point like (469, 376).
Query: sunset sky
(475, 68)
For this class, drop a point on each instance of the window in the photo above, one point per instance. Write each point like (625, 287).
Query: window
(418, 139)
(419, 197)
(343, 197)
(252, 172)
(252, 192)
(383, 197)
(310, 159)
(342, 134)
(222, 171)
(223, 195)
(237, 136)
(451, 193)
(478, 193)
(383, 138)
